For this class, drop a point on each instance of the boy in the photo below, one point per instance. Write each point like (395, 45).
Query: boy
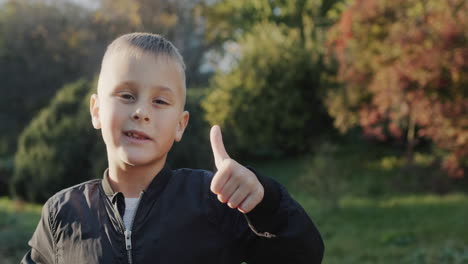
(141, 211)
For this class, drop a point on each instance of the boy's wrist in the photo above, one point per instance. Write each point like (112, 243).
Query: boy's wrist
(261, 214)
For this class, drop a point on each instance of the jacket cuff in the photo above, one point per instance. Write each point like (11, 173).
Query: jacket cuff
(261, 215)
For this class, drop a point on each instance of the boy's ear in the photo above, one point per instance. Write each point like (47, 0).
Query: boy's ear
(181, 125)
(94, 110)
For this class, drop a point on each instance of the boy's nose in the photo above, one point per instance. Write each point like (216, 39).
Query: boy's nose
(140, 115)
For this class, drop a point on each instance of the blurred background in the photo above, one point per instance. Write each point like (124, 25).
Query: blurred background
(359, 107)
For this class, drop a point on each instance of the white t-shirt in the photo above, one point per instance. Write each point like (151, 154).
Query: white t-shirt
(130, 208)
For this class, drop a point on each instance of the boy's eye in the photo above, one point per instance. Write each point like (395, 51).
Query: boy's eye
(159, 101)
(126, 96)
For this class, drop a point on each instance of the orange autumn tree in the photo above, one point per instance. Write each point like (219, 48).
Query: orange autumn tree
(403, 69)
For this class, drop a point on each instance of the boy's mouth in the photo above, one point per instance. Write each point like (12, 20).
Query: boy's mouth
(136, 135)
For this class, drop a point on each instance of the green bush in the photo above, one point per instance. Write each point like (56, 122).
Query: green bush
(58, 148)
(194, 150)
(268, 104)
(6, 170)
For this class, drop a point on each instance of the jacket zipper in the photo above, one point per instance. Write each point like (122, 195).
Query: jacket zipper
(128, 233)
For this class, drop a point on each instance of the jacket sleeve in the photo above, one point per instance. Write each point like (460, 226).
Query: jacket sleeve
(42, 243)
(281, 230)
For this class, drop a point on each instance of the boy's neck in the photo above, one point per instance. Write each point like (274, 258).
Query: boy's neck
(131, 180)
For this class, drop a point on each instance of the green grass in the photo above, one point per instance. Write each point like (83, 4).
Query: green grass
(394, 229)
(382, 214)
(17, 223)
(391, 227)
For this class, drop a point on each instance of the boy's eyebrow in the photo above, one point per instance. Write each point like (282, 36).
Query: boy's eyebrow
(129, 84)
(163, 88)
(133, 84)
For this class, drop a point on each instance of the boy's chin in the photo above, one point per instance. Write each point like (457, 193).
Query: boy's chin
(140, 160)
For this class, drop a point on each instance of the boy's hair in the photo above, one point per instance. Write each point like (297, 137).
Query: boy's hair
(136, 44)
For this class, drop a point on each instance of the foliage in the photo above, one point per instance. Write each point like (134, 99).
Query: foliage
(194, 150)
(56, 149)
(230, 19)
(405, 73)
(6, 169)
(269, 98)
(269, 103)
(42, 46)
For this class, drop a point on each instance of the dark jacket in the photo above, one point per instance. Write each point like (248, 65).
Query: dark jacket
(178, 220)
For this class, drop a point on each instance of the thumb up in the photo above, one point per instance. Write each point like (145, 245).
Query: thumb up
(217, 145)
(233, 183)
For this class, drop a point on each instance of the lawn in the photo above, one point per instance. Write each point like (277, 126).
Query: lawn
(378, 213)
(17, 223)
(402, 229)
(371, 208)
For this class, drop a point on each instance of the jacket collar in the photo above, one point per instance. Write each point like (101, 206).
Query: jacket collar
(154, 188)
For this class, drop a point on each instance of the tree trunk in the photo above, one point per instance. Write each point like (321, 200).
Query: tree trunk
(410, 140)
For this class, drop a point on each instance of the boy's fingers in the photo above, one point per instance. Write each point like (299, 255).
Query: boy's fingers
(249, 203)
(217, 146)
(237, 197)
(228, 190)
(221, 178)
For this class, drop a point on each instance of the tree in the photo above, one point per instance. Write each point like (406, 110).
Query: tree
(270, 99)
(269, 102)
(194, 150)
(404, 73)
(230, 19)
(59, 148)
(42, 46)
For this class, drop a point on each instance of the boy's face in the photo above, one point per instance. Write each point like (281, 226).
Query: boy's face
(139, 108)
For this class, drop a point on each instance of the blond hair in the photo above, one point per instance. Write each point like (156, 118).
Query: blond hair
(138, 44)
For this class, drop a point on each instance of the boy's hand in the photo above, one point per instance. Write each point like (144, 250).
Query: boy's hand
(233, 183)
